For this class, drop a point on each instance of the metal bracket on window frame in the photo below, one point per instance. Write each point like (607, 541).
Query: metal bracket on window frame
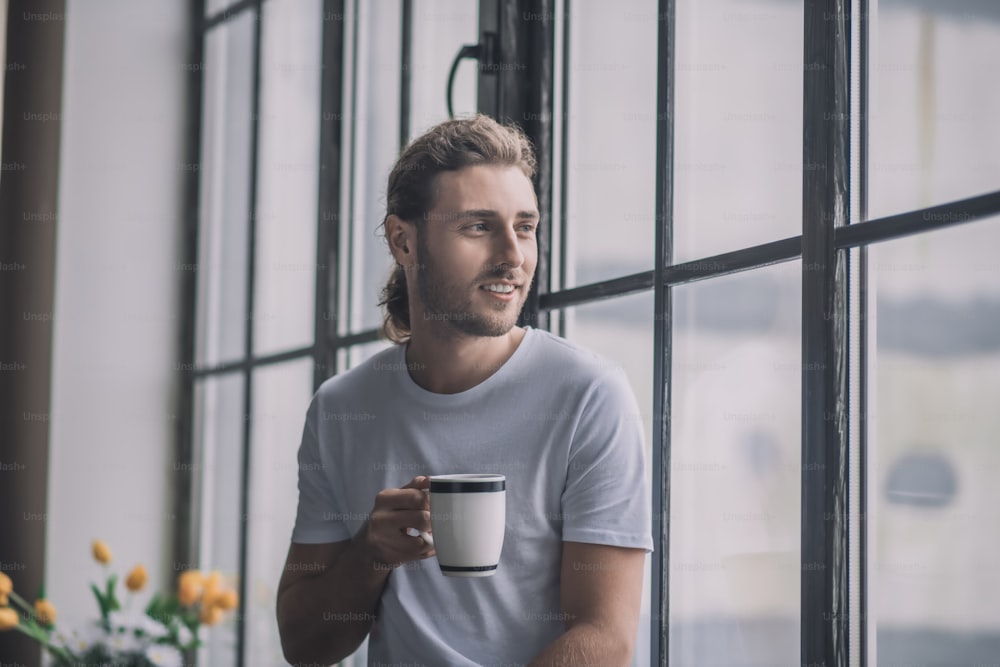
(485, 52)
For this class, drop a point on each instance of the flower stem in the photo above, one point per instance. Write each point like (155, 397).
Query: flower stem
(38, 634)
(32, 631)
(60, 653)
(28, 609)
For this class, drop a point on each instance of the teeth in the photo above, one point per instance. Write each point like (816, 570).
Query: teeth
(502, 289)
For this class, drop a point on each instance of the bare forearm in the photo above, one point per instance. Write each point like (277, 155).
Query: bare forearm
(584, 645)
(325, 618)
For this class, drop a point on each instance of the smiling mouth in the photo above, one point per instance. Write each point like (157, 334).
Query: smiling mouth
(499, 288)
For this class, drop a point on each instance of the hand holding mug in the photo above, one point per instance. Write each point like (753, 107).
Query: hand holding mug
(394, 511)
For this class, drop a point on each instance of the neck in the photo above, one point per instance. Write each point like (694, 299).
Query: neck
(449, 365)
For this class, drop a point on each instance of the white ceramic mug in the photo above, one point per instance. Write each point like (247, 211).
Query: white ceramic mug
(468, 519)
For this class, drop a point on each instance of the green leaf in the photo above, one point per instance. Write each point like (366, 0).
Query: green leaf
(100, 599)
(155, 610)
(112, 600)
(61, 655)
(154, 605)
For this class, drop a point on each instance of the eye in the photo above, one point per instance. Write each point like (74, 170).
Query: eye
(528, 227)
(477, 227)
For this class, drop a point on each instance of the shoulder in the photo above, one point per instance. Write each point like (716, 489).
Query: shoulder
(567, 359)
(577, 374)
(372, 374)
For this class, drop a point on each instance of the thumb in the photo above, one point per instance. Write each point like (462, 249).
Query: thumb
(419, 482)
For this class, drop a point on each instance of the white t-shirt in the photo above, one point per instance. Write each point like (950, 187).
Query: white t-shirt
(563, 426)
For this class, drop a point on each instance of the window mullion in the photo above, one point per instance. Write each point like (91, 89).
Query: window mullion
(330, 175)
(825, 206)
(518, 88)
(662, 336)
(185, 494)
(241, 631)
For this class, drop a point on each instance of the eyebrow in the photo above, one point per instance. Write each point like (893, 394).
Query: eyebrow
(490, 213)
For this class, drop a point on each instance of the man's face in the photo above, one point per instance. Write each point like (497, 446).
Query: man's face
(477, 250)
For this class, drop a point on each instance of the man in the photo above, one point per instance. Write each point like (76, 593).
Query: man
(466, 390)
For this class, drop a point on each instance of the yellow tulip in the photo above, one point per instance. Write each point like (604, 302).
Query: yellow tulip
(3, 600)
(6, 585)
(213, 588)
(210, 615)
(136, 579)
(8, 619)
(102, 554)
(227, 600)
(189, 587)
(45, 611)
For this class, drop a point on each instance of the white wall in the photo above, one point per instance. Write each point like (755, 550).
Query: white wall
(120, 207)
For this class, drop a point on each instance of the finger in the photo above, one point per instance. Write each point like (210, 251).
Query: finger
(426, 536)
(391, 522)
(418, 482)
(426, 546)
(400, 547)
(401, 499)
(422, 534)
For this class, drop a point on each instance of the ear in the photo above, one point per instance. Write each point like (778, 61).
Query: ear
(402, 238)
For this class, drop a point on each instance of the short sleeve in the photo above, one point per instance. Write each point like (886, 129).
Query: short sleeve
(317, 519)
(606, 499)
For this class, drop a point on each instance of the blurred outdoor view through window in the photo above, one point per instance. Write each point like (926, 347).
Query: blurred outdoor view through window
(736, 369)
(935, 377)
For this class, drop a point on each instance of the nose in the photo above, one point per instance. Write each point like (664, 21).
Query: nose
(508, 251)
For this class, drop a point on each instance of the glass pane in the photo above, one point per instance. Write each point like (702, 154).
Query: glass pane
(621, 329)
(281, 396)
(738, 129)
(611, 128)
(375, 133)
(934, 130)
(288, 173)
(225, 191)
(440, 29)
(935, 587)
(735, 471)
(218, 432)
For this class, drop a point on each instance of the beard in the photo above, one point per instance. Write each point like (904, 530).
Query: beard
(451, 304)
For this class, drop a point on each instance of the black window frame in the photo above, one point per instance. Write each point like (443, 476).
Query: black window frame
(832, 34)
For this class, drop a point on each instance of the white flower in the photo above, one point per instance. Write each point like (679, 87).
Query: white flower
(63, 638)
(80, 640)
(122, 620)
(184, 635)
(164, 656)
(132, 622)
(124, 642)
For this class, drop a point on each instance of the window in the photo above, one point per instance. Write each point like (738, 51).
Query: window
(778, 217)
